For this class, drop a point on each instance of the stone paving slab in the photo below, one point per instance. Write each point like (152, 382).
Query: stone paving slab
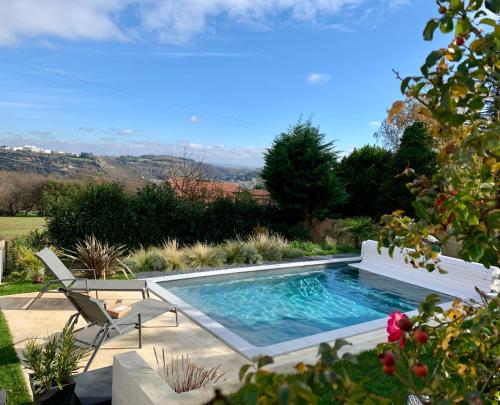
(49, 314)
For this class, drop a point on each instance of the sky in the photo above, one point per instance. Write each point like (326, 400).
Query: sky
(218, 78)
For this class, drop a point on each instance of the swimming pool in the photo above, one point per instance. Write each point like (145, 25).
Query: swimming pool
(276, 309)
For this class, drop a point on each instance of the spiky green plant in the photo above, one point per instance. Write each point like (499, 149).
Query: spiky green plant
(105, 259)
(27, 260)
(183, 374)
(359, 228)
(203, 255)
(173, 255)
(53, 363)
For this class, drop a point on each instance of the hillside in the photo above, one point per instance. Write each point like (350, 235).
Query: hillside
(120, 168)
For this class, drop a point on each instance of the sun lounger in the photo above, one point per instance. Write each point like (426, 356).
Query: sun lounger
(65, 277)
(102, 327)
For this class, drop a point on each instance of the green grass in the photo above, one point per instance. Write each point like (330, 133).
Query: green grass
(11, 227)
(11, 375)
(20, 287)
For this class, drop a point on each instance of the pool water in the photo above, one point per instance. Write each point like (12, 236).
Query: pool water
(269, 307)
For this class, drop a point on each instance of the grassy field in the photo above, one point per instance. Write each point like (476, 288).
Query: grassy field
(11, 375)
(10, 227)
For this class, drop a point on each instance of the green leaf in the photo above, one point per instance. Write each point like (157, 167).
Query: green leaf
(493, 219)
(243, 370)
(493, 5)
(446, 24)
(432, 58)
(488, 21)
(429, 29)
(284, 394)
(404, 84)
(264, 361)
(462, 27)
(475, 5)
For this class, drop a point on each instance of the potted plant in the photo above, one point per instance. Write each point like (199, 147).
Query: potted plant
(53, 365)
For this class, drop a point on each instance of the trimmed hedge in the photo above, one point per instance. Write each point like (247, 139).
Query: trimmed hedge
(152, 215)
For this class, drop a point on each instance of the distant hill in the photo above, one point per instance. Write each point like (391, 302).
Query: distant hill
(119, 168)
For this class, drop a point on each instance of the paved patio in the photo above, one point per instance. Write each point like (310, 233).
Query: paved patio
(48, 316)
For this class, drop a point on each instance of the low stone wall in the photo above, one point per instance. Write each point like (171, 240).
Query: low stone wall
(135, 382)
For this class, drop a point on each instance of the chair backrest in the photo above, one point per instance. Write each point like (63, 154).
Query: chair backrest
(91, 309)
(460, 279)
(55, 265)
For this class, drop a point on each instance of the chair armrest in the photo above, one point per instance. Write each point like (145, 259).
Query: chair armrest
(86, 270)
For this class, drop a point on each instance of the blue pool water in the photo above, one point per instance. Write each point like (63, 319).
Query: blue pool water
(268, 307)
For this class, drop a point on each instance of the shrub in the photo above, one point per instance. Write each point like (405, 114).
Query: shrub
(329, 244)
(156, 260)
(360, 228)
(234, 251)
(172, 255)
(269, 247)
(308, 248)
(183, 374)
(202, 255)
(289, 252)
(103, 258)
(150, 216)
(250, 254)
(102, 210)
(53, 363)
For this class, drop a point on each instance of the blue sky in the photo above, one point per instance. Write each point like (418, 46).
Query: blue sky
(221, 77)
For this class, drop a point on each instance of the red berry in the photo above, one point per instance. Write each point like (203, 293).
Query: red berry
(389, 359)
(389, 370)
(459, 41)
(421, 370)
(421, 336)
(442, 10)
(404, 323)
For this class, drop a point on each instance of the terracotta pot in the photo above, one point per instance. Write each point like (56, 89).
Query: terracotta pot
(54, 395)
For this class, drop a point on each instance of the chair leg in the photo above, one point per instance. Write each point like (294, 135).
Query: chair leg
(143, 294)
(42, 291)
(176, 317)
(140, 331)
(97, 347)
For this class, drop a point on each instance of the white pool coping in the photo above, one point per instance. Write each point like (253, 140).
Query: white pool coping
(241, 345)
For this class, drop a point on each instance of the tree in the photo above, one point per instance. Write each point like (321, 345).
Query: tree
(461, 199)
(299, 173)
(362, 173)
(20, 192)
(414, 157)
(391, 131)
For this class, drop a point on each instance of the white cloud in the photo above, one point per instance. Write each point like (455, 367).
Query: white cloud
(318, 78)
(70, 20)
(172, 21)
(375, 124)
(194, 119)
(126, 132)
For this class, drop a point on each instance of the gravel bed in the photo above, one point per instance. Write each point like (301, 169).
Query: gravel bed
(150, 274)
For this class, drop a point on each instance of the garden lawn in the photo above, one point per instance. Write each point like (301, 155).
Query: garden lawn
(11, 227)
(11, 375)
(21, 287)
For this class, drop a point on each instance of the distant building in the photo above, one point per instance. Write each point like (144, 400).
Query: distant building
(194, 188)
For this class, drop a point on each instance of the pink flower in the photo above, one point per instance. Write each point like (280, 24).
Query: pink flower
(394, 331)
